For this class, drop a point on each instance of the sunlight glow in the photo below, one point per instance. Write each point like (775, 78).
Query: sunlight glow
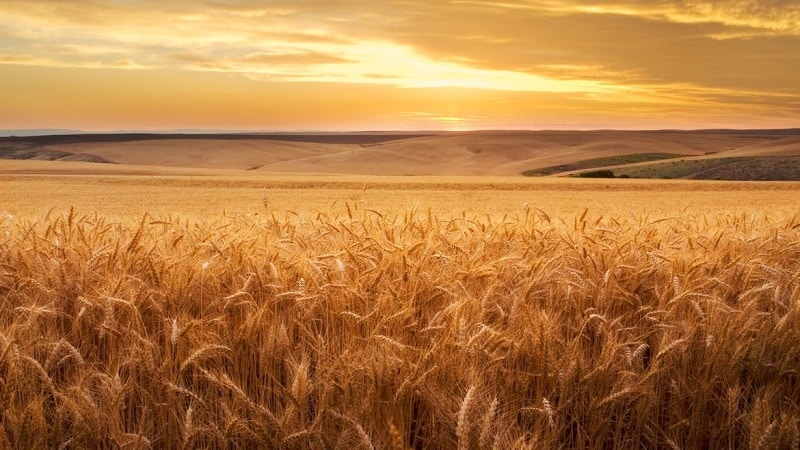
(524, 62)
(391, 64)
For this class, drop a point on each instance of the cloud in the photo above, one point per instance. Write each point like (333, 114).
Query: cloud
(243, 43)
(666, 55)
(773, 15)
(292, 56)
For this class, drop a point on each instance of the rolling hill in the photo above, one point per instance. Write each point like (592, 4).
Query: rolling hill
(495, 153)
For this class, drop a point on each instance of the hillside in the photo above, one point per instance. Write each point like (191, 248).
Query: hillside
(496, 153)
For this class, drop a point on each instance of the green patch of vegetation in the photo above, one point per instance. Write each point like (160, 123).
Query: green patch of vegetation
(597, 174)
(767, 168)
(30, 151)
(675, 169)
(601, 162)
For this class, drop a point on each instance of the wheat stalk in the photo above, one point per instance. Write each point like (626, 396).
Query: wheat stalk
(463, 423)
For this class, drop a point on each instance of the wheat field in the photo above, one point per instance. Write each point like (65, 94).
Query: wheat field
(359, 328)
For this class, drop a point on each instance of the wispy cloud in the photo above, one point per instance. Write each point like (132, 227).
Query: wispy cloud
(782, 16)
(664, 56)
(199, 41)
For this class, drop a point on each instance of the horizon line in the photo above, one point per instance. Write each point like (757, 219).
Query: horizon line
(38, 132)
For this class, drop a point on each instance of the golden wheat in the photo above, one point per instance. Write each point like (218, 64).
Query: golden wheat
(377, 330)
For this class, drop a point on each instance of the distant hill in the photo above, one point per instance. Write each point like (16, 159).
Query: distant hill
(37, 132)
(535, 153)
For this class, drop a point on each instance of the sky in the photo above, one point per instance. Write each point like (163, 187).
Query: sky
(344, 65)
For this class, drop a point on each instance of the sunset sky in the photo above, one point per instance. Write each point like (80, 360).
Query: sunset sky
(399, 64)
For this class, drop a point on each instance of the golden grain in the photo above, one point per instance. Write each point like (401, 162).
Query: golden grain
(363, 328)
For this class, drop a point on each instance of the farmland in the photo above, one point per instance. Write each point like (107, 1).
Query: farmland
(405, 225)
(220, 310)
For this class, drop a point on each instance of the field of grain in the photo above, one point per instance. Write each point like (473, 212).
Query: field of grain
(302, 313)
(30, 189)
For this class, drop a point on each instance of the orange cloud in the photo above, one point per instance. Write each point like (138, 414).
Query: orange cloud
(531, 61)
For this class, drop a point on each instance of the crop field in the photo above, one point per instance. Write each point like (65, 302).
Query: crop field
(352, 312)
